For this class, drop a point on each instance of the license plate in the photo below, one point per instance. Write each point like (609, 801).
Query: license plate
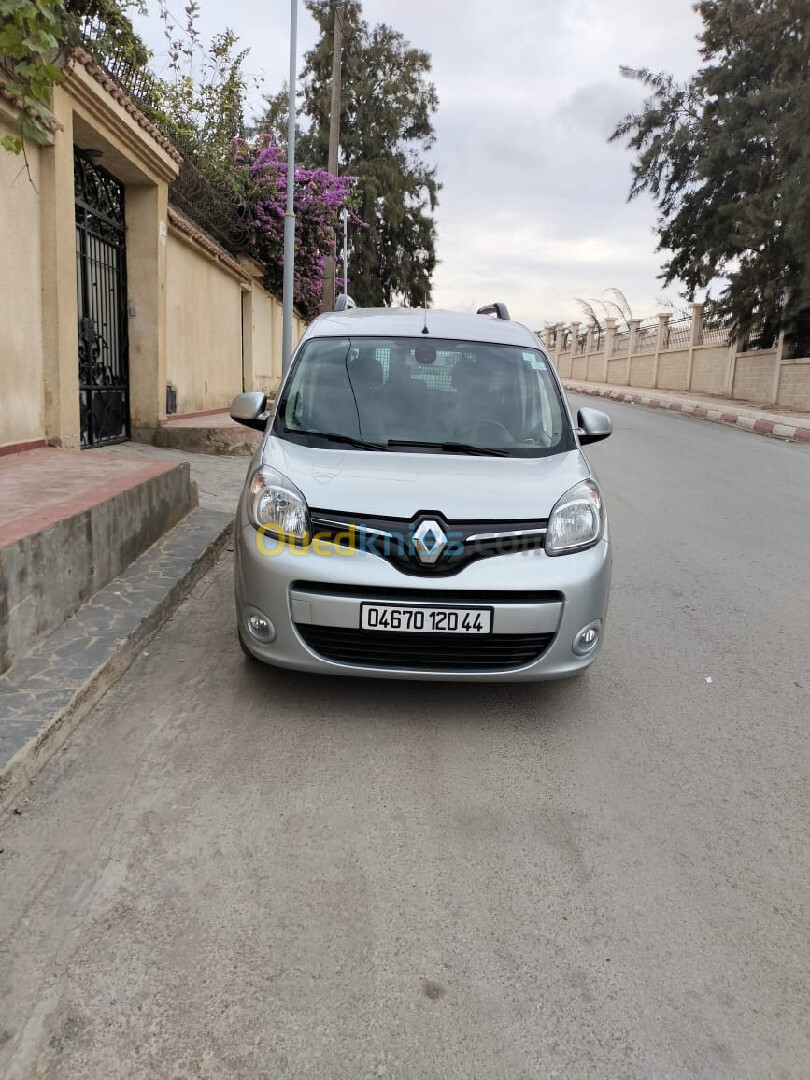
(424, 619)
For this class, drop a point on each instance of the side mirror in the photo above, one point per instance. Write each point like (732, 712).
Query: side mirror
(594, 425)
(250, 410)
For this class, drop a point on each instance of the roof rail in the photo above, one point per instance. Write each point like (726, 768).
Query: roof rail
(344, 302)
(498, 309)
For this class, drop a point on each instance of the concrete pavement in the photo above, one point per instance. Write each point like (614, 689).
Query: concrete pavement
(219, 479)
(46, 693)
(236, 872)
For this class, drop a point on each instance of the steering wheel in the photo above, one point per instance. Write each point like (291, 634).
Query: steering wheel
(467, 432)
(539, 434)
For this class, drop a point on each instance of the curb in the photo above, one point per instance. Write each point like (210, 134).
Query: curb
(760, 426)
(179, 560)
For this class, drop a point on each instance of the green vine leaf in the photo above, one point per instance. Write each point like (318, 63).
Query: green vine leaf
(12, 143)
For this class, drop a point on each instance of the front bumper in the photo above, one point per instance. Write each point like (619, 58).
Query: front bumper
(300, 590)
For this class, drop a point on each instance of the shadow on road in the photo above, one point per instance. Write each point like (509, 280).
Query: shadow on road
(376, 700)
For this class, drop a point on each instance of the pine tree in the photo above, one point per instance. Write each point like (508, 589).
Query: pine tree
(387, 104)
(726, 158)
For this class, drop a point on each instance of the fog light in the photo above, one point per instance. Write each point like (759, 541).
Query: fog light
(259, 626)
(587, 639)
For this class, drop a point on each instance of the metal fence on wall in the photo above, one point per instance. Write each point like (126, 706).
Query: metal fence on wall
(678, 334)
(715, 334)
(646, 338)
(621, 342)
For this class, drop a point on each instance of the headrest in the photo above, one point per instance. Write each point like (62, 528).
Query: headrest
(366, 371)
(468, 374)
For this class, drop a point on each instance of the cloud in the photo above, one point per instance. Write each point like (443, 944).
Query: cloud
(533, 207)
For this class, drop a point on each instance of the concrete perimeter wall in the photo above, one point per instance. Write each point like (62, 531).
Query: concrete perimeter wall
(678, 357)
(709, 366)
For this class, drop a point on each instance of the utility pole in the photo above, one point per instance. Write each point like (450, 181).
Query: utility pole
(334, 142)
(289, 216)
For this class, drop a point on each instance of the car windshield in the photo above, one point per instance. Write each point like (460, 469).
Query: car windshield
(412, 395)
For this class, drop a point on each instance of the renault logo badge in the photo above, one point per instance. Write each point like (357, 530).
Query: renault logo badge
(429, 541)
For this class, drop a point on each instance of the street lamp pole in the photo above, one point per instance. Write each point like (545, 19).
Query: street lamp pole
(289, 216)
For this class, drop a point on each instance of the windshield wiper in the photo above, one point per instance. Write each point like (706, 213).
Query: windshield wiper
(338, 437)
(452, 447)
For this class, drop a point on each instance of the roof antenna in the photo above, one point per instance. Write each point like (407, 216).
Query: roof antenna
(424, 308)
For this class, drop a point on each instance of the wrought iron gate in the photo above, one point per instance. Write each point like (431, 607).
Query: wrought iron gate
(102, 295)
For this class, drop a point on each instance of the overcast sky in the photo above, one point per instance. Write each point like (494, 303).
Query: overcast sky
(533, 206)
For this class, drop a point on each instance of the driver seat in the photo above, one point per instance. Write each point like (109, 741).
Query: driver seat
(483, 392)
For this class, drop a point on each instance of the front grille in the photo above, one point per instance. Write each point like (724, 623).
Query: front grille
(424, 652)
(392, 539)
(464, 597)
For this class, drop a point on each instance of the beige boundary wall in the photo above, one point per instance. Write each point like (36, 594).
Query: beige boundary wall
(22, 401)
(203, 327)
(223, 328)
(198, 319)
(764, 376)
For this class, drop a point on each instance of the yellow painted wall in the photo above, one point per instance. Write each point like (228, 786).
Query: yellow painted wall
(21, 348)
(262, 338)
(203, 328)
(267, 319)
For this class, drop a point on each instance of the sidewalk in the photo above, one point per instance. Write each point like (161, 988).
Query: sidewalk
(46, 694)
(219, 478)
(762, 419)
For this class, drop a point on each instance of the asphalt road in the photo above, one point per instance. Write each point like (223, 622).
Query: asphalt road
(235, 872)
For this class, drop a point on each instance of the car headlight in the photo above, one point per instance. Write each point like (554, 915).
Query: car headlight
(577, 521)
(275, 503)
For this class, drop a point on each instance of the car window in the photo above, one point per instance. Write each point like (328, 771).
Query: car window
(486, 395)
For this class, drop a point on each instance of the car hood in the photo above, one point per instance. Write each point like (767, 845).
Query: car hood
(457, 486)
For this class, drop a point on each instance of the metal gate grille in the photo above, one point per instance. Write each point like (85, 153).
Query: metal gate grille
(102, 301)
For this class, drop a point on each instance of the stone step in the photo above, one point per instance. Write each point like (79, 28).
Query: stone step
(44, 696)
(71, 521)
